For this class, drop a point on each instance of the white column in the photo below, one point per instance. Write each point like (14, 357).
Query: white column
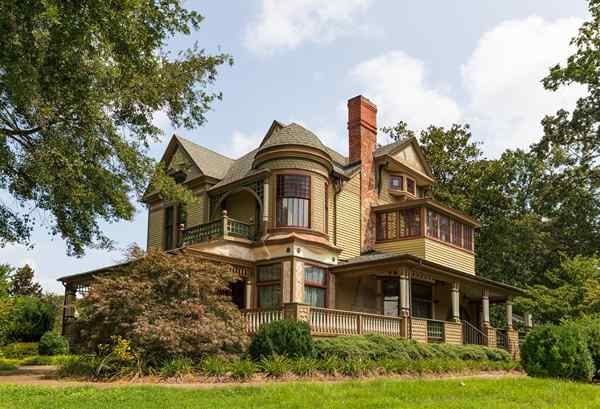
(404, 295)
(528, 321)
(248, 295)
(485, 303)
(266, 203)
(455, 298)
(509, 314)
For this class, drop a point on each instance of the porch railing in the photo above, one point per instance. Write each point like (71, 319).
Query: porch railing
(473, 335)
(224, 226)
(257, 317)
(324, 321)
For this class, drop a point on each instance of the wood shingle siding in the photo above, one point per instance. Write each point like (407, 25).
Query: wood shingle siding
(318, 203)
(293, 163)
(348, 218)
(196, 213)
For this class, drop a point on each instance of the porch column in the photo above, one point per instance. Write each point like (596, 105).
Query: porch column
(455, 301)
(485, 303)
(404, 295)
(248, 295)
(265, 215)
(509, 314)
(528, 321)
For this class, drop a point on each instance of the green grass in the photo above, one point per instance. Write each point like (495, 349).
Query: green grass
(469, 393)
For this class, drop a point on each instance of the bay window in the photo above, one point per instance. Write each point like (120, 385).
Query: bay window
(397, 182)
(315, 286)
(293, 201)
(386, 224)
(268, 285)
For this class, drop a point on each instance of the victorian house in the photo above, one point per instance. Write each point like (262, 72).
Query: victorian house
(352, 244)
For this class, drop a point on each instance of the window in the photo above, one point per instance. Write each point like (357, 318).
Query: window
(268, 284)
(386, 224)
(457, 233)
(410, 186)
(175, 216)
(391, 297)
(410, 223)
(315, 286)
(397, 182)
(421, 296)
(468, 238)
(293, 201)
(432, 224)
(444, 228)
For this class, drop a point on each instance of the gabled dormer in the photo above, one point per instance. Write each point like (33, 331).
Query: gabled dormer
(403, 172)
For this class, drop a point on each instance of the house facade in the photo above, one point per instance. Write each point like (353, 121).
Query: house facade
(352, 244)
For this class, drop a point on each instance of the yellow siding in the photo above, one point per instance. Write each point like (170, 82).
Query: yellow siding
(330, 216)
(348, 218)
(385, 197)
(317, 185)
(443, 254)
(196, 213)
(416, 247)
(155, 228)
(241, 206)
(409, 157)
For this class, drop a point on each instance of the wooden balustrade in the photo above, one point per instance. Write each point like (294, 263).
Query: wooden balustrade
(224, 226)
(257, 317)
(473, 335)
(324, 321)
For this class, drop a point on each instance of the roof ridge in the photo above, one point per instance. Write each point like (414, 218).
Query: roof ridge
(203, 147)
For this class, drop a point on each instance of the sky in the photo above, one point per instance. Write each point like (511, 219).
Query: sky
(426, 62)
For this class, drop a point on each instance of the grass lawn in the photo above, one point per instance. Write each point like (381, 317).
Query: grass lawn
(470, 393)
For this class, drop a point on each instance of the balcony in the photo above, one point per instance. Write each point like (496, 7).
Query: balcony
(223, 227)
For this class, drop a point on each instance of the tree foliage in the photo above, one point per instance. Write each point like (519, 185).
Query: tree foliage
(79, 85)
(27, 319)
(166, 305)
(22, 284)
(572, 291)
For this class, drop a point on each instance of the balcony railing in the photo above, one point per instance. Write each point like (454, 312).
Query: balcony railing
(222, 227)
(324, 321)
(473, 335)
(501, 339)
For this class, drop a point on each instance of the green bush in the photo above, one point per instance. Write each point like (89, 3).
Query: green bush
(286, 338)
(243, 369)
(214, 366)
(176, 368)
(274, 366)
(30, 318)
(78, 366)
(304, 366)
(558, 351)
(53, 344)
(19, 350)
(380, 347)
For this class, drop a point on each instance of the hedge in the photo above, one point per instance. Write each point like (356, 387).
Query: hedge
(286, 337)
(380, 347)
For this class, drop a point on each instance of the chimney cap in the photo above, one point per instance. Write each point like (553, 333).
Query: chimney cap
(362, 100)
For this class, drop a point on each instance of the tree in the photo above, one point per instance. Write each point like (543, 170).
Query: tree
(570, 147)
(572, 292)
(166, 305)
(28, 319)
(5, 271)
(22, 284)
(79, 85)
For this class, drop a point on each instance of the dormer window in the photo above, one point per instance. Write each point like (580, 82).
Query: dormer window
(403, 184)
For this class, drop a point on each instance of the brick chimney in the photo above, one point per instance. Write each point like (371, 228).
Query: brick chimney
(362, 138)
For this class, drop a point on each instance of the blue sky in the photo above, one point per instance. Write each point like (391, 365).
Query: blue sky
(424, 62)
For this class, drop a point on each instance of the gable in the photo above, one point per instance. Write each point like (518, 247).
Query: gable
(409, 156)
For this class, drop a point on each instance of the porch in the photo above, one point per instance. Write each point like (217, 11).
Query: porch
(328, 322)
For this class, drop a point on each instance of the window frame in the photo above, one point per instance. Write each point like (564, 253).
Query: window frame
(268, 283)
(314, 284)
(414, 299)
(279, 196)
(386, 225)
(414, 185)
(397, 176)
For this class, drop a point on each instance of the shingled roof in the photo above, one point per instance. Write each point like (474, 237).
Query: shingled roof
(209, 162)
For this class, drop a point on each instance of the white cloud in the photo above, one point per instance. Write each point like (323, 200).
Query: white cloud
(505, 100)
(503, 76)
(397, 84)
(241, 143)
(287, 24)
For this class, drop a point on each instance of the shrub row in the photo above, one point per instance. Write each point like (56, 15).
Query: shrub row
(50, 344)
(279, 366)
(570, 350)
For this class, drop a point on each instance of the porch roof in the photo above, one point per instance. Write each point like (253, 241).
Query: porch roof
(376, 259)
